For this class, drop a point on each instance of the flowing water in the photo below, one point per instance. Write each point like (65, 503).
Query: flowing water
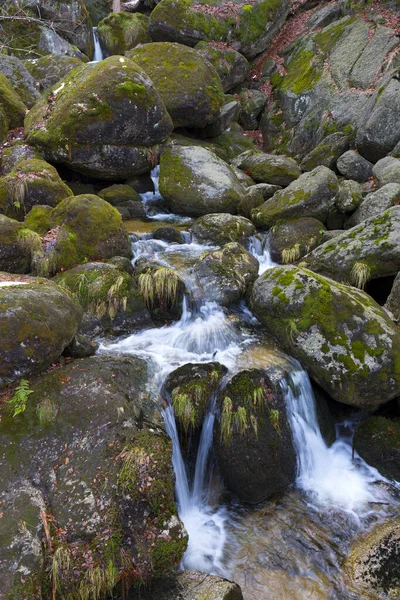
(289, 547)
(98, 52)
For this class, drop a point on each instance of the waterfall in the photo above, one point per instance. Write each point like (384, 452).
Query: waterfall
(329, 475)
(259, 248)
(98, 52)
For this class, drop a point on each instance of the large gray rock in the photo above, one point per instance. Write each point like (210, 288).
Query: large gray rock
(375, 203)
(354, 166)
(311, 195)
(101, 119)
(377, 441)
(195, 182)
(344, 339)
(223, 228)
(252, 103)
(290, 240)
(39, 319)
(48, 70)
(268, 168)
(21, 80)
(387, 170)
(349, 196)
(119, 32)
(326, 152)
(231, 66)
(367, 251)
(192, 585)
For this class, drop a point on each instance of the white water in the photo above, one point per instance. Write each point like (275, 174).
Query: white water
(329, 475)
(98, 52)
(259, 248)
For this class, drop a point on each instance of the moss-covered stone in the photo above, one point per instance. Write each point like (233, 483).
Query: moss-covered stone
(231, 66)
(101, 119)
(3, 125)
(223, 228)
(19, 78)
(14, 256)
(377, 441)
(343, 338)
(267, 168)
(13, 107)
(39, 219)
(16, 152)
(117, 194)
(32, 182)
(122, 31)
(48, 70)
(290, 240)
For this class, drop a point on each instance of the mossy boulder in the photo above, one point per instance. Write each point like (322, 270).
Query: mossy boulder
(373, 564)
(195, 182)
(3, 125)
(231, 66)
(71, 20)
(13, 107)
(354, 166)
(187, 83)
(39, 219)
(349, 196)
(311, 195)
(247, 28)
(20, 79)
(290, 240)
(268, 168)
(48, 70)
(344, 339)
(190, 389)
(125, 199)
(222, 228)
(393, 302)
(326, 152)
(102, 120)
(375, 203)
(119, 32)
(377, 441)
(31, 182)
(252, 102)
(162, 289)
(224, 275)
(253, 440)
(92, 439)
(14, 256)
(16, 152)
(38, 320)
(109, 293)
(253, 198)
(367, 251)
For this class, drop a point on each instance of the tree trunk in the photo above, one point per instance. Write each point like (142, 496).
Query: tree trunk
(116, 6)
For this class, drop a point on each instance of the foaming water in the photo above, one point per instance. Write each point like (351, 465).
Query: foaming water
(151, 198)
(259, 248)
(331, 476)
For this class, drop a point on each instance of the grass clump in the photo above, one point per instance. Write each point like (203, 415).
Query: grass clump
(159, 286)
(184, 409)
(290, 255)
(360, 274)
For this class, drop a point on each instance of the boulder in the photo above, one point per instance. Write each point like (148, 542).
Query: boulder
(187, 83)
(48, 70)
(119, 32)
(167, 234)
(344, 339)
(387, 170)
(252, 102)
(3, 125)
(192, 585)
(375, 203)
(31, 182)
(377, 441)
(311, 195)
(253, 439)
(373, 564)
(354, 166)
(224, 275)
(125, 200)
(91, 444)
(367, 251)
(393, 301)
(268, 168)
(254, 197)
(21, 80)
(291, 240)
(190, 389)
(195, 182)
(326, 152)
(109, 293)
(222, 228)
(231, 66)
(16, 152)
(186, 22)
(101, 120)
(349, 196)
(228, 115)
(39, 319)
(15, 257)
(12, 106)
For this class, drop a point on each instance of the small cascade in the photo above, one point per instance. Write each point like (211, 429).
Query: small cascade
(153, 197)
(259, 248)
(98, 52)
(329, 475)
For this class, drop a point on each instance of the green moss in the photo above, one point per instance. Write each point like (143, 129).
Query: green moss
(121, 31)
(329, 36)
(304, 72)
(12, 106)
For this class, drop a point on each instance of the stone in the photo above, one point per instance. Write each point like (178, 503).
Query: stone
(252, 102)
(387, 170)
(344, 339)
(20, 79)
(349, 196)
(195, 182)
(393, 301)
(231, 66)
(228, 115)
(48, 70)
(377, 441)
(12, 106)
(222, 228)
(192, 585)
(326, 152)
(254, 197)
(375, 203)
(167, 234)
(15, 257)
(120, 32)
(291, 240)
(15, 153)
(268, 168)
(354, 166)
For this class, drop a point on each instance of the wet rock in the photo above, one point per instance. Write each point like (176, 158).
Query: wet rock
(168, 234)
(254, 197)
(108, 293)
(48, 70)
(11, 104)
(326, 153)
(377, 441)
(223, 228)
(119, 32)
(349, 196)
(344, 339)
(190, 389)
(252, 103)
(125, 199)
(39, 319)
(354, 166)
(20, 79)
(224, 275)
(253, 440)
(193, 585)
(373, 563)
(122, 262)
(196, 182)
(187, 83)
(311, 195)
(32, 182)
(268, 168)
(375, 203)
(15, 257)
(184, 22)
(387, 170)
(101, 119)
(231, 66)
(81, 347)
(364, 252)
(291, 240)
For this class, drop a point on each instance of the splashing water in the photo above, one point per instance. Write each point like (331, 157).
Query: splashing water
(259, 248)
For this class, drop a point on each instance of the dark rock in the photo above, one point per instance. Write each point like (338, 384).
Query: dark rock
(377, 441)
(354, 166)
(81, 347)
(222, 228)
(291, 240)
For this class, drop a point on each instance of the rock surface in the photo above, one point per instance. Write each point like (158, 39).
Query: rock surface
(377, 441)
(222, 228)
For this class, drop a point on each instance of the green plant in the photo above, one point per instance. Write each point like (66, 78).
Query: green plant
(159, 285)
(274, 419)
(184, 409)
(258, 397)
(292, 331)
(17, 188)
(360, 274)
(18, 401)
(226, 422)
(240, 420)
(290, 255)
